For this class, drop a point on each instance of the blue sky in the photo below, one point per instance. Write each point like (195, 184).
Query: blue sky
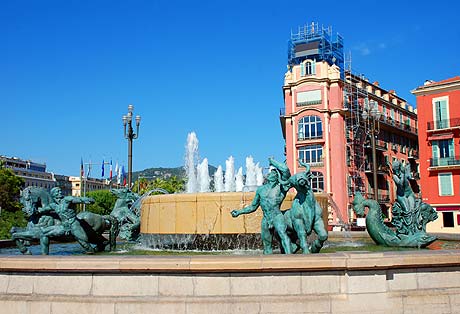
(69, 69)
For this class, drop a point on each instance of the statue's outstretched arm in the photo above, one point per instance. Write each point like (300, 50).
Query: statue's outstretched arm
(248, 209)
(81, 200)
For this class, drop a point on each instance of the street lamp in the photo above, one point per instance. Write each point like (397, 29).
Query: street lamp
(371, 116)
(130, 136)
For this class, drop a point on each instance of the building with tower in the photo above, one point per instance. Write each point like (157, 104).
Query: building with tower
(347, 128)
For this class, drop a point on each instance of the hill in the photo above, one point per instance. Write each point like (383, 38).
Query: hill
(164, 173)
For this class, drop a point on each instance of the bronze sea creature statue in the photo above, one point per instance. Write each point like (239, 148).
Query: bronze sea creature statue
(410, 215)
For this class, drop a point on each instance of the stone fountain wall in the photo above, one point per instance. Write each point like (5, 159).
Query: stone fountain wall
(203, 221)
(390, 282)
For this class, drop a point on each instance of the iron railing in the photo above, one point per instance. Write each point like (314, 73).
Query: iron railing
(443, 124)
(445, 161)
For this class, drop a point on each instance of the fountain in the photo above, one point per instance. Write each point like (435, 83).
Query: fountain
(343, 282)
(201, 220)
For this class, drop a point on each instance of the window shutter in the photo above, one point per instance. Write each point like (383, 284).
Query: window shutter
(435, 149)
(445, 184)
(451, 149)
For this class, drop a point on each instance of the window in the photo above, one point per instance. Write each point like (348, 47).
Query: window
(448, 219)
(443, 152)
(311, 154)
(308, 68)
(445, 184)
(317, 181)
(312, 97)
(310, 127)
(440, 113)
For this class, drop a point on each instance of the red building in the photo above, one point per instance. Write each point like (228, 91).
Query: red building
(438, 106)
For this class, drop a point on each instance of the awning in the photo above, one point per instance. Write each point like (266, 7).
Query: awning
(441, 137)
(446, 208)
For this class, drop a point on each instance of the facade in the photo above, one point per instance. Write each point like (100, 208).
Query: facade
(82, 185)
(438, 105)
(33, 173)
(330, 118)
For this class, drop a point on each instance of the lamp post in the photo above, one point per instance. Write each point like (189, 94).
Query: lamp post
(371, 116)
(130, 136)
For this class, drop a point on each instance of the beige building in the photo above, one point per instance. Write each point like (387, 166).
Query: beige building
(82, 185)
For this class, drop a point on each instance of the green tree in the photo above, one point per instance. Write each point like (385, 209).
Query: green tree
(10, 219)
(10, 208)
(10, 188)
(104, 201)
(172, 185)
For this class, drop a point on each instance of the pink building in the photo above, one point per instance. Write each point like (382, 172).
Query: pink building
(330, 117)
(439, 136)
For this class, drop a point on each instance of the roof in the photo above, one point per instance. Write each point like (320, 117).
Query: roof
(449, 80)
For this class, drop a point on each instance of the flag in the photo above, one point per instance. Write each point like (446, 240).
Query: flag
(89, 169)
(82, 170)
(124, 175)
(102, 175)
(110, 170)
(118, 171)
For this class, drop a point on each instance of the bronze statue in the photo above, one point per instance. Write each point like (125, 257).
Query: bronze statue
(294, 224)
(269, 197)
(54, 216)
(126, 213)
(410, 215)
(305, 214)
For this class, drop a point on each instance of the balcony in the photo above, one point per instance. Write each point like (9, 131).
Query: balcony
(413, 153)
(301, 137)
(380, 145)
(446, 162)
(443, 124)
(382, 168)
(383, 197)
(402, 126)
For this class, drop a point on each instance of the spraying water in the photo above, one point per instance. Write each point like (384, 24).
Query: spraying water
(219, 180)
(230, 174)
(203, 178)
(239, 180)
(251, 179)
(198, 179)
(259, 175)
(191, 159)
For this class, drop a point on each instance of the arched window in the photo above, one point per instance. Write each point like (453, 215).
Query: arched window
(317, 181)
(311, 154)
(308, 68)
(310, 127)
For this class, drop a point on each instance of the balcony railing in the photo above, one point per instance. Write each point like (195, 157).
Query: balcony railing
(302, 137)
(382, 197)
(446, 161)
(397, 124)
(443, 124)
(381, 168)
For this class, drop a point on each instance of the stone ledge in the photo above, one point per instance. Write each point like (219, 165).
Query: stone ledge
(221, 264)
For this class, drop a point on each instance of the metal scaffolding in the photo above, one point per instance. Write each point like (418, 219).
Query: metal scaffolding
(315, 42)
(355, 98)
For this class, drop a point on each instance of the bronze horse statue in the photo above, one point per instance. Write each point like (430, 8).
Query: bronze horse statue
(35, 200)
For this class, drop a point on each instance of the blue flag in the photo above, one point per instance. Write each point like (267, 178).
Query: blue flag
(102, 168)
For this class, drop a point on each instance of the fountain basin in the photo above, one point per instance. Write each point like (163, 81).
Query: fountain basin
(202, 221)
(385, 282)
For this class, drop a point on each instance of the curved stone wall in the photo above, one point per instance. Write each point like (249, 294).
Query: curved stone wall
(203, 221)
